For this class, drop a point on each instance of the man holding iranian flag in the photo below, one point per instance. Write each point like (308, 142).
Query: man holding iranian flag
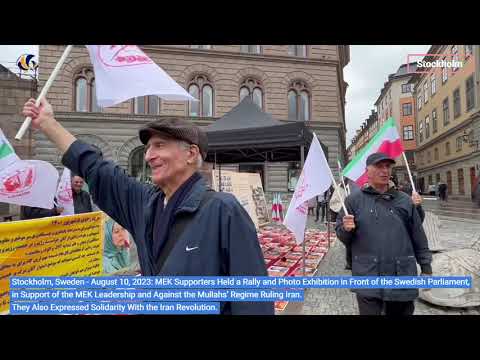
(383, 228)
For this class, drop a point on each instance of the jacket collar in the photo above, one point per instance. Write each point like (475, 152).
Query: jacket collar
(390, 194)
(192, 200)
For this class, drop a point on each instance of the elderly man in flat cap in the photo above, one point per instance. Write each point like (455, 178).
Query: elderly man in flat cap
(384, 231)
(180, 227)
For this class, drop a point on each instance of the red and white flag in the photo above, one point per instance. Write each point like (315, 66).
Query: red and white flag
(387, 140)
(314, 180)
(124, 72)
(64, 193)
(25, 182)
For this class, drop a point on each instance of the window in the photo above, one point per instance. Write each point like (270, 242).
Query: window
(138, 167)
(456, 103)
(203, 47)
(444, 73)
(95, 106)
(427, 127)
(419, 100)
(407, 109)
(468, 50)
(447, 148)
(420, 130)
(437, 178)
(298, 102)
(433, 84)
(408, 132)
(420, 158)
(297, 50)
(85, 97)
(470, 93)
(146, 105)
(429, 159)
(405, 88)
(253, 88)
(81, 94)
(459, 143)
(425, 91)
(435, 154)
(430, 179)
(454, 57)
(461, 182)
(446, 112)
(434, 121)
(250, 49)
(201, 89)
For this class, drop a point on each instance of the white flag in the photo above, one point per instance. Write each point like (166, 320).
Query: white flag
(314, 180)
(124, 72)
(29, 182)
(64, 193)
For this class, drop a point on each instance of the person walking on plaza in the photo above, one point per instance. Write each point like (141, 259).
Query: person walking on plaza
(311, 206)
(180, 227)
(386, 236)
(442, 191)
(321, 205)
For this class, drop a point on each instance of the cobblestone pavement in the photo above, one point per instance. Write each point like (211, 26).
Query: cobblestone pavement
(455, 234)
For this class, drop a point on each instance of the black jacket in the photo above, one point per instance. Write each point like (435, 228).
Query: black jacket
(27, 213)
(388, 239)
(81, 202)
(221, 236)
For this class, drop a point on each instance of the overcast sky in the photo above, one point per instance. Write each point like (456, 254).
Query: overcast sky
(366, 73)
(368, 69)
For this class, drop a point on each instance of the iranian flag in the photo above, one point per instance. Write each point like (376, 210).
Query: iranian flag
(386, 140)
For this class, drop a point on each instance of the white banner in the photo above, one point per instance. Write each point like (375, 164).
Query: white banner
(124, 72)
(314, 180)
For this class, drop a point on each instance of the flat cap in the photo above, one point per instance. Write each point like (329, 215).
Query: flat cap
(377, 157)
(176, 128)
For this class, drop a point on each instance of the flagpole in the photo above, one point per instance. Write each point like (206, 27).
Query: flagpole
(336, 189)
(44, 91)
(408, 170)
(302, 159)
(341, 177)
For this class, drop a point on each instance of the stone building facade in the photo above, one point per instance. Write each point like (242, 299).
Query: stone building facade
(396, 100)
(447, 103)
(291, 82)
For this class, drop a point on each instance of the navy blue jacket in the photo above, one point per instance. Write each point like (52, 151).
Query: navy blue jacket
(388, 239)
(222, 232)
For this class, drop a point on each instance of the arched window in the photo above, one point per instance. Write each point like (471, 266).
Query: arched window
(299, 101)
(85, 97)
(253, 88)
(95, 106)
(201, 88)
(138, 167)
(146, 105)
(81, 94)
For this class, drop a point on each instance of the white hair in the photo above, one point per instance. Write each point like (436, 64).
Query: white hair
(186, 146)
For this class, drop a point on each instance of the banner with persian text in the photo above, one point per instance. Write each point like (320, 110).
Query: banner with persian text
(53, 246)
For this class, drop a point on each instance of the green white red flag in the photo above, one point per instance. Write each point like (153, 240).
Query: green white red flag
(387, 140)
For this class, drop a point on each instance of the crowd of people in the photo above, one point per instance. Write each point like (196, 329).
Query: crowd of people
(178, 226)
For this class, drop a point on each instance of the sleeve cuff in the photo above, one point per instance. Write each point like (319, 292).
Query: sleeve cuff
(426, 268)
